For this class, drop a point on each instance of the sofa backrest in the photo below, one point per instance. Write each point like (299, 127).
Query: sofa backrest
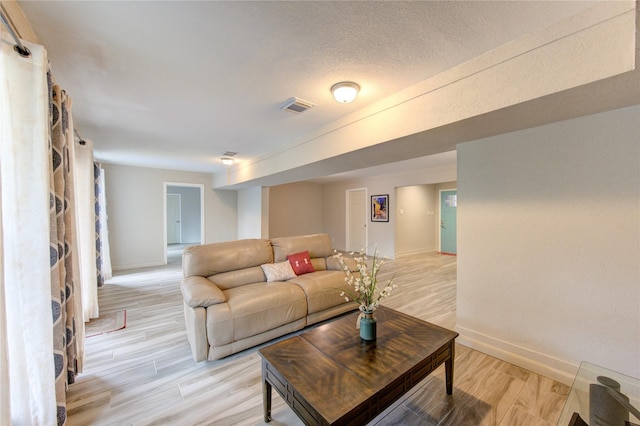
(318, 245)
(229, 264)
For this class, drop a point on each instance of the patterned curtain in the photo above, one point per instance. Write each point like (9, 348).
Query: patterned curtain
(103, 257)
(63, 247)
(97, 190)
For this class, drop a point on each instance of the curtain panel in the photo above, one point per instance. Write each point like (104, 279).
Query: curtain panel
(86, 210)
(26, 272)
(43, 197)
(63, 245)
(103, 257)
(96, 186)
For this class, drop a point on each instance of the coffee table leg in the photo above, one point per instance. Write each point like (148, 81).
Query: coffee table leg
(266, 400)
(448, 370)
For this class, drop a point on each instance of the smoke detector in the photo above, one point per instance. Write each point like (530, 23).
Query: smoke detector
(296, 105)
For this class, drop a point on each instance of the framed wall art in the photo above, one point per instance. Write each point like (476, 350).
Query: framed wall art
(380, 208)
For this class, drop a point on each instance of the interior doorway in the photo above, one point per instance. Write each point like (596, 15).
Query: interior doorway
(183, 217)
(356, 231)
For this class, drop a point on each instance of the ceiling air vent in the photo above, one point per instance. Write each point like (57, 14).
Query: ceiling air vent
(296, 105)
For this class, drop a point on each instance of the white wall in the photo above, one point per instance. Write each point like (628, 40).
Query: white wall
(548, 245)
(135, 209)
(416, 213)
(380, 234)
(295, 209)
(250, 213)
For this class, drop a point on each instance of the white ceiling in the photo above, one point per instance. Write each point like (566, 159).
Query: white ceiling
(175, 84)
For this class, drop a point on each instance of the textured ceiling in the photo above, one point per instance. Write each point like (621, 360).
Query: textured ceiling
(176, 84)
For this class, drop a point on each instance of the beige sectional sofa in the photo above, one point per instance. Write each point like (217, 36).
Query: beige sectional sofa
(230, 306)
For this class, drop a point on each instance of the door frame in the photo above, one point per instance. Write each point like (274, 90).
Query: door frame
(348, 216)
(165, 186)
(439, 221)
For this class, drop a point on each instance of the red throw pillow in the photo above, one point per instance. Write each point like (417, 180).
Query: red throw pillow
(301, 263)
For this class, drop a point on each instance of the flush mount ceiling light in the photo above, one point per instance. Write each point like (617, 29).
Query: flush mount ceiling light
(227, 159)
(345, 91)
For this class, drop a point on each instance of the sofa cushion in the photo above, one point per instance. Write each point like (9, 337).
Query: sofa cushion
(349, 261)
(230, 279)
(301, 263)
(318, 245)
(319, 263)
(322, 289)
(253, 309)
(280, 271)
(211, 259)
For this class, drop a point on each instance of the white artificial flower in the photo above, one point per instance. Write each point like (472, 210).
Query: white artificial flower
(365, 284)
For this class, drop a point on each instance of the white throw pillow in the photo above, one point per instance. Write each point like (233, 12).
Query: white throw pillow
(278, 271)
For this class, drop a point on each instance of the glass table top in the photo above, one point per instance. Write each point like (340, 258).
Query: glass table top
(602, 397)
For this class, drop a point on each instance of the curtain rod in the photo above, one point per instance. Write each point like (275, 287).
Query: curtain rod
(20, 48)
(80, 140)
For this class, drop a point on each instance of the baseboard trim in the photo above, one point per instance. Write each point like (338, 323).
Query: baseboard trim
(136, 266)
(543, 364)
(414, 252)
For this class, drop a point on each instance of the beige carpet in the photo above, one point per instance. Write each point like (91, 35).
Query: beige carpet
(106, 323)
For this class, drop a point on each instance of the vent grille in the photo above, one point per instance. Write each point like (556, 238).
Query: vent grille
(296, 105)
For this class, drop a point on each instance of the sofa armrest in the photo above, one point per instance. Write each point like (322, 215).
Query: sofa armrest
(199, 291)
(196, 325)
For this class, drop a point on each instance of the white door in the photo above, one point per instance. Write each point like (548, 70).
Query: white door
(356, 219)
(174, 232)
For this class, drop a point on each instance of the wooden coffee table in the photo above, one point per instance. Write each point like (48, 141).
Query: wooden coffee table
(329, 376)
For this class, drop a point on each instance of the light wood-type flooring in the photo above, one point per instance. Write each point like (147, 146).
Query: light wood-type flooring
(145, 375)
